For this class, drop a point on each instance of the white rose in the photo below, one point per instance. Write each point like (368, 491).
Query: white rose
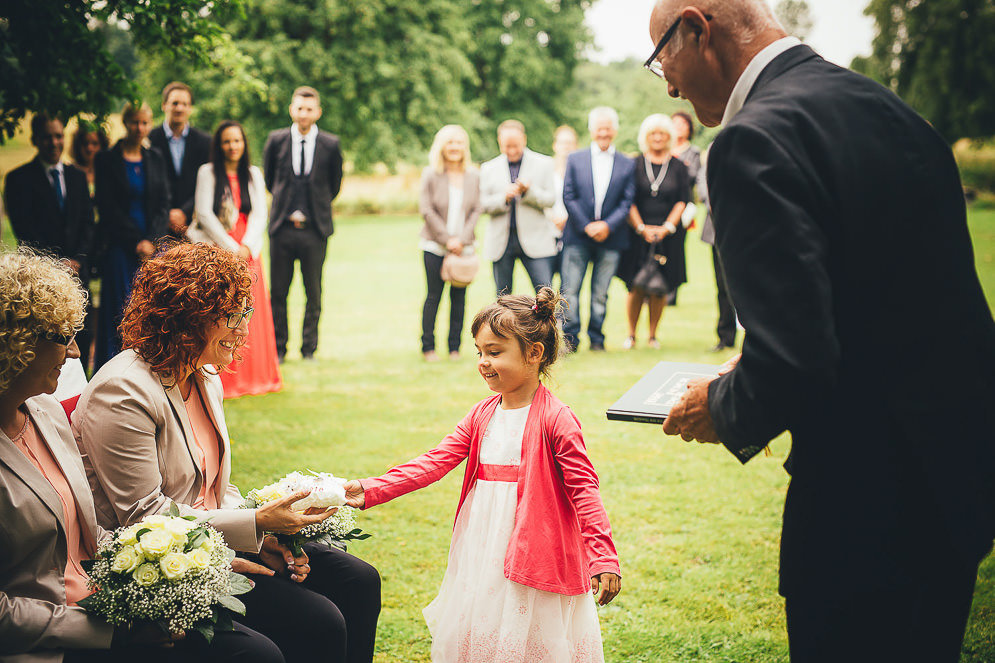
(127, 535)
(146, 574)
(156, 543)
(174, 565)
(126, 560)
(155, 521)
(199, 558)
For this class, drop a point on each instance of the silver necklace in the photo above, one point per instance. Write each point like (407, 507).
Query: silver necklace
(655, 182)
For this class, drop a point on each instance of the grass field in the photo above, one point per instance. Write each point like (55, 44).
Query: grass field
(696, 531)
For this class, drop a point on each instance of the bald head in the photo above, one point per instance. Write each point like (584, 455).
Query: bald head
(711, 43)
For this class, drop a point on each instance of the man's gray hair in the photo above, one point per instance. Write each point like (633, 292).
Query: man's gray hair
(747, 19)
(602, 113)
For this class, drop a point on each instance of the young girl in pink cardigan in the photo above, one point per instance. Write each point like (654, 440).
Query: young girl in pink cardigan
(532, 540)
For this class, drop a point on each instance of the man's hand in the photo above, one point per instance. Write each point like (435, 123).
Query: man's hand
(606, 586)
(598, 230)
(144, 249)
(690, 418)
(177, 221)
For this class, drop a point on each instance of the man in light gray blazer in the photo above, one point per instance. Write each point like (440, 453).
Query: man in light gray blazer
(515, 189)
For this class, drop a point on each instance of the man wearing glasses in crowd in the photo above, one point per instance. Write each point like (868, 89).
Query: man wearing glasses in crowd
(838, 212)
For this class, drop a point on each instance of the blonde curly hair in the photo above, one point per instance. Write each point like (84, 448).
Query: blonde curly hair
(38, 294)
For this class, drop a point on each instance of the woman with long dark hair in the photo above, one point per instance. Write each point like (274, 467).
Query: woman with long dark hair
(230, 212)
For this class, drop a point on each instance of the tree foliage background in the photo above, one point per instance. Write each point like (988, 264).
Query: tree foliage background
(938, 55)
(390, 72)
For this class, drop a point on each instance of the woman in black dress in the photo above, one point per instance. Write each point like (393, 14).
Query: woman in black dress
(662, 191)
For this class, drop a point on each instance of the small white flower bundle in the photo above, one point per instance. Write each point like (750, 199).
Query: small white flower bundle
(168, 570)
(327, 491)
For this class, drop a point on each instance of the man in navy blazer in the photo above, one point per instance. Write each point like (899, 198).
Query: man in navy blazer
(184, 148)
(840, 219)
(598, 190)
(48, 203)
(303, 171)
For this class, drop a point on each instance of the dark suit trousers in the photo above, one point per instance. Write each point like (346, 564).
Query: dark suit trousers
(286, 247)
(726, 328)
(331, 616)
(243, 645)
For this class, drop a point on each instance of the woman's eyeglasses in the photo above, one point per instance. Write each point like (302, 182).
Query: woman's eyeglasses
(235, 319)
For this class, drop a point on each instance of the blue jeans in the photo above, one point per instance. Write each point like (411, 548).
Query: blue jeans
(574, 268)
(540, 269)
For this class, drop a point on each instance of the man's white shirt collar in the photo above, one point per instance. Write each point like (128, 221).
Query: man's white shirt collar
(752, 72)
(595, 150)
(169, 132)
(309, 137)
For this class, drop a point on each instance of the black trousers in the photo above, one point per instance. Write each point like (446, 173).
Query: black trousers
(331, 616)
(457, 306)
(287, 246)
(922, 621)
(243, 645)
(726, 327)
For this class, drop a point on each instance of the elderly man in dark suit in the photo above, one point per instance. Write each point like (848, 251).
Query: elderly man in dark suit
(598, 189)
(48, 203)
(838, 212)
(184, 148)
(303, 170)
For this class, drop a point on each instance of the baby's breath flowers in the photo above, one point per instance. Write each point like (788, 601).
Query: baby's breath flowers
(326, 491)
(168, 570)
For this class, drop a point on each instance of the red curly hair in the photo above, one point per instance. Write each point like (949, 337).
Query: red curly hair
(176, 296)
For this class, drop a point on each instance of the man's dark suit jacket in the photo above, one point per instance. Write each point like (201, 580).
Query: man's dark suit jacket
(35, 216)
(841, 222)
(116, 226)
(324, 180)
(578, 198)
(196, 153)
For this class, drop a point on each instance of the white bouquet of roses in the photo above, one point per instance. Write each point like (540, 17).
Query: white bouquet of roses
(327, 491)
(168, 570)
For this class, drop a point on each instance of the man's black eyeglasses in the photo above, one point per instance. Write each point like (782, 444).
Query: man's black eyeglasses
(651, 62)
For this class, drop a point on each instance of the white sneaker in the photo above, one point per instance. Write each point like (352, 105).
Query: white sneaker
(629, 343)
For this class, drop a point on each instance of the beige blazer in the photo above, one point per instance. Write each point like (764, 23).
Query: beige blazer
(536, 233)
(139, 450)
(35, 622)
(208, 228)
(434, 205)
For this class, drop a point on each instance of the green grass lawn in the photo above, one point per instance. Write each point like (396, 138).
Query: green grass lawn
(697, 532)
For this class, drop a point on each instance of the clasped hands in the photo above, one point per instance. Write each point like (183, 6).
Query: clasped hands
(598, 230)
(691, 418)
(516, 189)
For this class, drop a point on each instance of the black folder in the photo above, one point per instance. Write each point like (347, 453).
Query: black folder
(649, 400)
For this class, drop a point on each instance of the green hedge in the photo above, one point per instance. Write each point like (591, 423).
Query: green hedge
(976, 160)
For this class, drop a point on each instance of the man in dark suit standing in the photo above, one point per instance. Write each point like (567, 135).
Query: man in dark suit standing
(48, 203)
(840, 219)
(598, 190)
(303, 170)
(184, 148)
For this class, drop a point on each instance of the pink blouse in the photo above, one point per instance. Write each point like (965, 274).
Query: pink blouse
(209, 447)
(80, 542)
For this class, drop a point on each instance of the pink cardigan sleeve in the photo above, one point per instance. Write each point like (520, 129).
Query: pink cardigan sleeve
(423, 470)
(581, 483)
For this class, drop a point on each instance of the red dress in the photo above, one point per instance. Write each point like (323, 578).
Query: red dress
(258, 372)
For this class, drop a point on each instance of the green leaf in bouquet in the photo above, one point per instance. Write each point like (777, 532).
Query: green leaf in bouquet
(195, 538)
(85, 602)
(206, 629)
(250, 503)
(325, 539)
(142, 532)
(87, 565)
(190, 518)
(173, 510)
(229, 555)
(224, 621)
(239, 584)
(357, 534)
(232, 603)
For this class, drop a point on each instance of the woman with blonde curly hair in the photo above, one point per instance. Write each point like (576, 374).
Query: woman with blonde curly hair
(152, 430)
(49, 525)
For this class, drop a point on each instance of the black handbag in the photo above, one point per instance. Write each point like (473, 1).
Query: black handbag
(650, 277)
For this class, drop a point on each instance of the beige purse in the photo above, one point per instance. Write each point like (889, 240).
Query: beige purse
(460, 270)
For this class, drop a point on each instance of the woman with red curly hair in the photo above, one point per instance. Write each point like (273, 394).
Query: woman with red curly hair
(151, 428)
